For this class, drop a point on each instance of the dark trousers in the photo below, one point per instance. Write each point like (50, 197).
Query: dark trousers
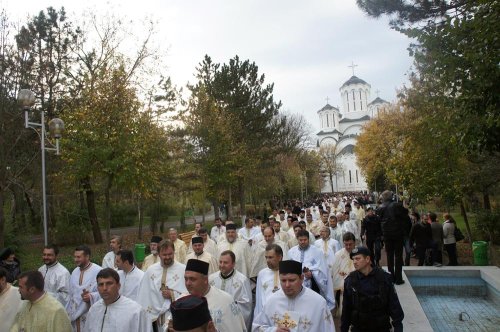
(394, 251)
(451, 249)
(420, 252)
(373, 243)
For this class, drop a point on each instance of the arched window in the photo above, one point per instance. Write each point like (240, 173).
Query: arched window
(353, 101)
(357, 180)
(350, 178)
(360, 100)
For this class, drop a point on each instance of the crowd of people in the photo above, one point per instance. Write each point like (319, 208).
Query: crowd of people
(295, 270)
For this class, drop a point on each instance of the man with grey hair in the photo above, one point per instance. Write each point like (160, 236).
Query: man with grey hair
(394, 218)
(180, 246)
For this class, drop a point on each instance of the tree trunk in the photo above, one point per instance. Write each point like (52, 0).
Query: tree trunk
(216, 205)
(241, 189)
(2, 219)
(466, 220)
(229, 207)
(486, 200)
(81, 197)
(139, 214)
(331, 183)
(107, 205)
(30, 206)
(89, 192)
(155, 218)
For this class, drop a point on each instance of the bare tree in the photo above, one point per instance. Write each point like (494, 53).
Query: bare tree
(330, 162)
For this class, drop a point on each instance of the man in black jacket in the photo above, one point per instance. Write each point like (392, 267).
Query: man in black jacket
(370, 301)
(371, 232)
(395, 220)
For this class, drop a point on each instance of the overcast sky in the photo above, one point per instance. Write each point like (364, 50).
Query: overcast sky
(304, 47)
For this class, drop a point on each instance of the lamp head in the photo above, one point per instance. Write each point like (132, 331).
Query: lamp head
(26, 99)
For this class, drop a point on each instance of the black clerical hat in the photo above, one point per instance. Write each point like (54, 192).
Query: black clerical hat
(230, 226)
(196, 265)
(196, 239)
(189, 312)
(156, 239)
(290, 266)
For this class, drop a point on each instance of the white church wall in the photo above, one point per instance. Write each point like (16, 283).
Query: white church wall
(352, 130)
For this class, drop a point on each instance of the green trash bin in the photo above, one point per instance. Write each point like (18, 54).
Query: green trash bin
(480, 252)
(140, 252)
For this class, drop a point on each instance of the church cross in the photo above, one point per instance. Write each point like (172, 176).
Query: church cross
(327, 99)
(352, 66)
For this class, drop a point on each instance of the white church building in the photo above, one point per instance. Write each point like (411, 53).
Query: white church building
(341, 127)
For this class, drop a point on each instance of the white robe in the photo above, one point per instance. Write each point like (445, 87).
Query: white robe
(330, 243)
(209, 246)
(130, 282)
(77, 309)
(56, 280)
(342, 266)
(206, 257)
(150, 297)
(307, 312)
(313, 259)
(241, 249)
(109, 261)
(258, 261)
(238, 285)
(10, 304)
(249, 234)
(337, 234)
(216, 232)
(282, 236)
(225, 313)
(149, 260)
(268, 283)
(124, 315)
(180, 251)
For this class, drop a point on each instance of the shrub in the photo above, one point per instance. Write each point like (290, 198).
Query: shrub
(488, 223)
(123, 215)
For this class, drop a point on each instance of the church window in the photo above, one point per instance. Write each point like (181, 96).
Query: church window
(347, 98)
(354, 102)
(360, 100)
(350, 179)
(327, 124)
(357, 180)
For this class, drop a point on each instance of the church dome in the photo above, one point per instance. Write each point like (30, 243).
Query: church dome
(353, 80)
(378, 100)
(327, 107)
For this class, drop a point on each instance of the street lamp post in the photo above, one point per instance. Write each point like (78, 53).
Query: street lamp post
(26, 99)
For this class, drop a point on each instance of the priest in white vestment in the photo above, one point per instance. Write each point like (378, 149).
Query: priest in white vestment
(239, 247)
(200, 254)
(225, 312)
(162, 284)
(316, 273)
(325, 241)
(294, 308)
(55, 275)
(209, 245)
(342, 266)
(258, 262)
(231, 281)
(115, 312)
(280, 234)
(82, 287)
(115, 243)
(10, 302)
(248, 232)
(217, 230)
(152, 258)
(130, 275)
(336, 231)
(180, 246)
(268, 279)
